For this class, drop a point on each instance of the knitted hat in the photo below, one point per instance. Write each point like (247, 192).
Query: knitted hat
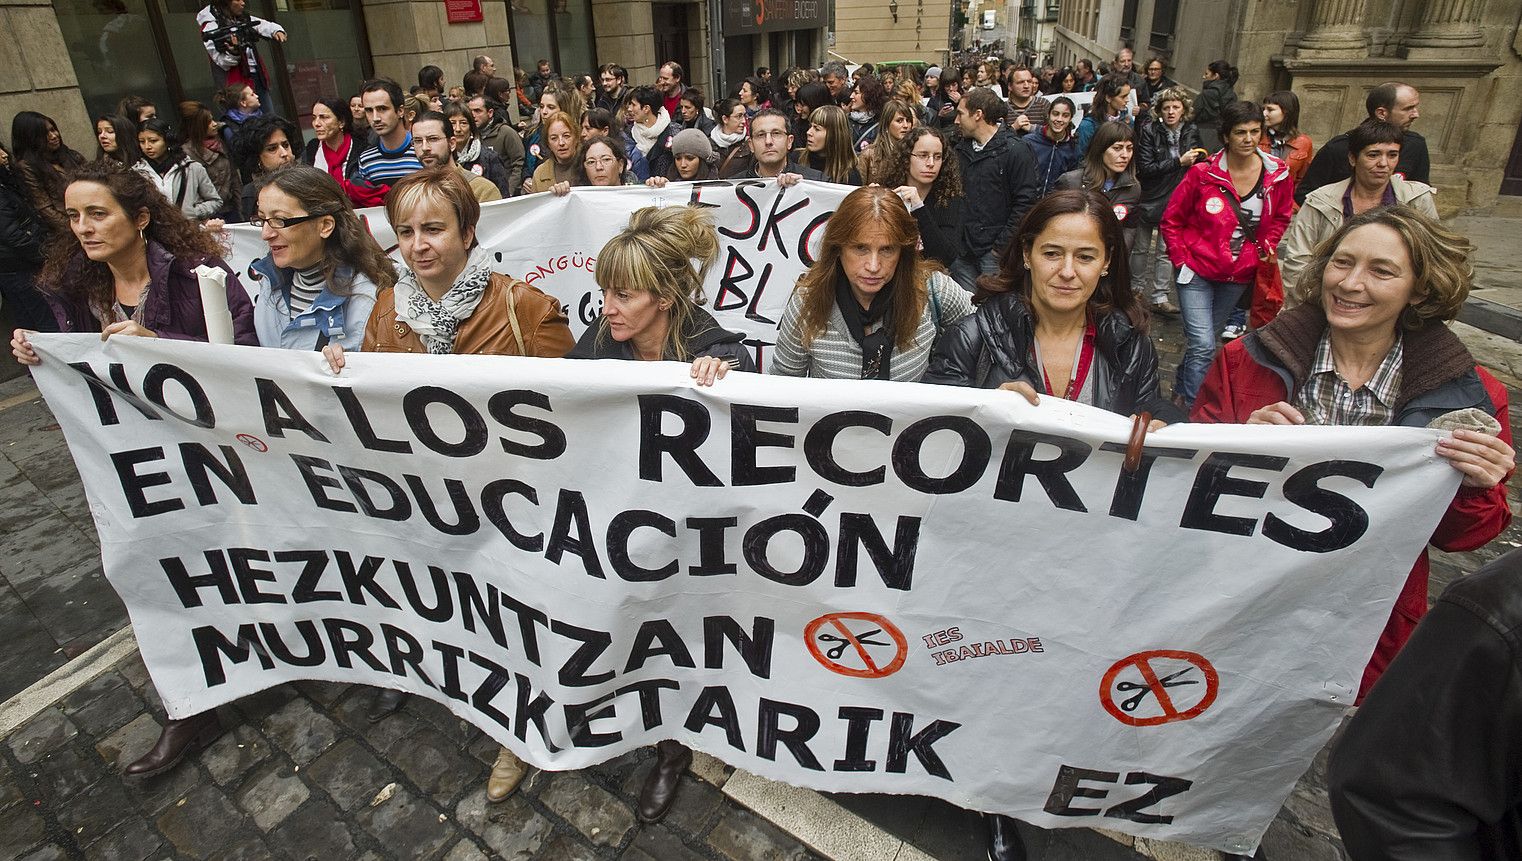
(692, 142)
(933, 72)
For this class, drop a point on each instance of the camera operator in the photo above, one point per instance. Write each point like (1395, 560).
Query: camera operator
(230, 35)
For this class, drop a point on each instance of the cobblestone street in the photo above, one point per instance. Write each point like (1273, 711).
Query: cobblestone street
(301, 773)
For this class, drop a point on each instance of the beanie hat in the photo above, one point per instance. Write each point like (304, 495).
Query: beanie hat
(692, 142)
(933, 72)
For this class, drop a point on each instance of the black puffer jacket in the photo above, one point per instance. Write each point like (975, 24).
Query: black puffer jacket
(992, 346)
(703, 336)
(1159, 172)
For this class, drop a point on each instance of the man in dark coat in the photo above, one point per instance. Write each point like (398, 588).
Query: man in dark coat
(1392, 102)
(1003, 170)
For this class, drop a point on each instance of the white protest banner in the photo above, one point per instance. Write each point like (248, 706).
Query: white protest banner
(767, 238)
(852, 586)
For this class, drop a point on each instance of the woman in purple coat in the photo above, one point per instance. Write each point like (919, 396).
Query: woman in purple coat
(127, 265)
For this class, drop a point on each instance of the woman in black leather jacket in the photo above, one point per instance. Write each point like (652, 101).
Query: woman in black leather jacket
(1060, 318)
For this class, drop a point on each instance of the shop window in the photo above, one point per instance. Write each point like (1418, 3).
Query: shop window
(112, 48)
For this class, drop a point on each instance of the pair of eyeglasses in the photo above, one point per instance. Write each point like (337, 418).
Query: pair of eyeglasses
(282, 223)
(604, 161)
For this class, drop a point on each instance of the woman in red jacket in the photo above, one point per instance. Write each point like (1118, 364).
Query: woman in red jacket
(1368, 347)
(1223, 220)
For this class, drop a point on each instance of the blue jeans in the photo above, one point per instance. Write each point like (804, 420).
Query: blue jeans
(966, 269)
(1205, 305)
(1151, 270)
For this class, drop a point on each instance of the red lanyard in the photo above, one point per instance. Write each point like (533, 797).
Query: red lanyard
(1085, 358)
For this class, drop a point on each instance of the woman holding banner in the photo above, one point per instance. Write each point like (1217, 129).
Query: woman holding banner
(127, 267)
(1060, 318)
(652, 310)
(322, 274)
(447, 300)
(870, 308)
(1368, 346)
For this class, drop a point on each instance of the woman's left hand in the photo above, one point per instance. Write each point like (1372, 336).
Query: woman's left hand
(1021, 388)
(706, 369)
(127, 327)
(561, 189)
(1484, 460)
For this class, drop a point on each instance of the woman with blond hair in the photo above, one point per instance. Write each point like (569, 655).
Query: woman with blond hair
(1368, 346)
(827, 146)
(870, 308)
(897, 118)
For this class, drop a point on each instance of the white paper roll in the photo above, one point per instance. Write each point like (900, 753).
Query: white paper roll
(219, 320)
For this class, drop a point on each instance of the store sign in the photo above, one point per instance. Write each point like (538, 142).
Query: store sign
(743, 17)
(462, 11)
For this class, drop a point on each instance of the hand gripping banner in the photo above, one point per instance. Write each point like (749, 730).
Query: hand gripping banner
(851, 586)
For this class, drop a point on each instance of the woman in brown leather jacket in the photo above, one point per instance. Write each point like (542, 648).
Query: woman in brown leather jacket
(450, 301)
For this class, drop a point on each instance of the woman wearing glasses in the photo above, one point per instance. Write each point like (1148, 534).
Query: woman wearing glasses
(319, 281)
(599, 162)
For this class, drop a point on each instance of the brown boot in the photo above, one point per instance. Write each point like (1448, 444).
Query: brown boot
(178, 738)
(506, 774)
(659, 793)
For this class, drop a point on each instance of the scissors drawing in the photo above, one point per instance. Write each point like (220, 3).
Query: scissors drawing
(1142, 690)
(864, 639)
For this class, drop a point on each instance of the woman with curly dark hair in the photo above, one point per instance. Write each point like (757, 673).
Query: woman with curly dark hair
(263, 144)
(927, 176)
(127, 267)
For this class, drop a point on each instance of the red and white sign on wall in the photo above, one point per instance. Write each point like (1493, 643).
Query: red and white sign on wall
(462, 11)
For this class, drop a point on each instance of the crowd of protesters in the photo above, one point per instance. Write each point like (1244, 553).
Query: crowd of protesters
(1014, 228)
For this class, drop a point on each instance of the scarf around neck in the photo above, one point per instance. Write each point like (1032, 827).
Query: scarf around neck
(471, 152)
(437, 323)
(724, 141)
(646, 136)
(876, 346)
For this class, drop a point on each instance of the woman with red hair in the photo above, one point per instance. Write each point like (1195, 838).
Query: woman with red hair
(871, 306)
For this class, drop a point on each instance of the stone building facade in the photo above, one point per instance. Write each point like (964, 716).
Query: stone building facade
(1465, 56)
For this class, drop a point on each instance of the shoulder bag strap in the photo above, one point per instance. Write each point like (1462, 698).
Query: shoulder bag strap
(512, 318)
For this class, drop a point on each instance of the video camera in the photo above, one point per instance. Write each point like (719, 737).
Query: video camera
(246, 32)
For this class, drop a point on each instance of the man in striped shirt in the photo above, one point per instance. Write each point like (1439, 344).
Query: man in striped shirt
(391, 157)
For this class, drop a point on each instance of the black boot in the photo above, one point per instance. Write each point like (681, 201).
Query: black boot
(661, 784)
(1004, 841)
(177, 738)
(387, 700)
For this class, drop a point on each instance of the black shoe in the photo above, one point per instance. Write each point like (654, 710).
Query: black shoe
(664, 779)
(177, 738)
(387, 700)
(1004, 841)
